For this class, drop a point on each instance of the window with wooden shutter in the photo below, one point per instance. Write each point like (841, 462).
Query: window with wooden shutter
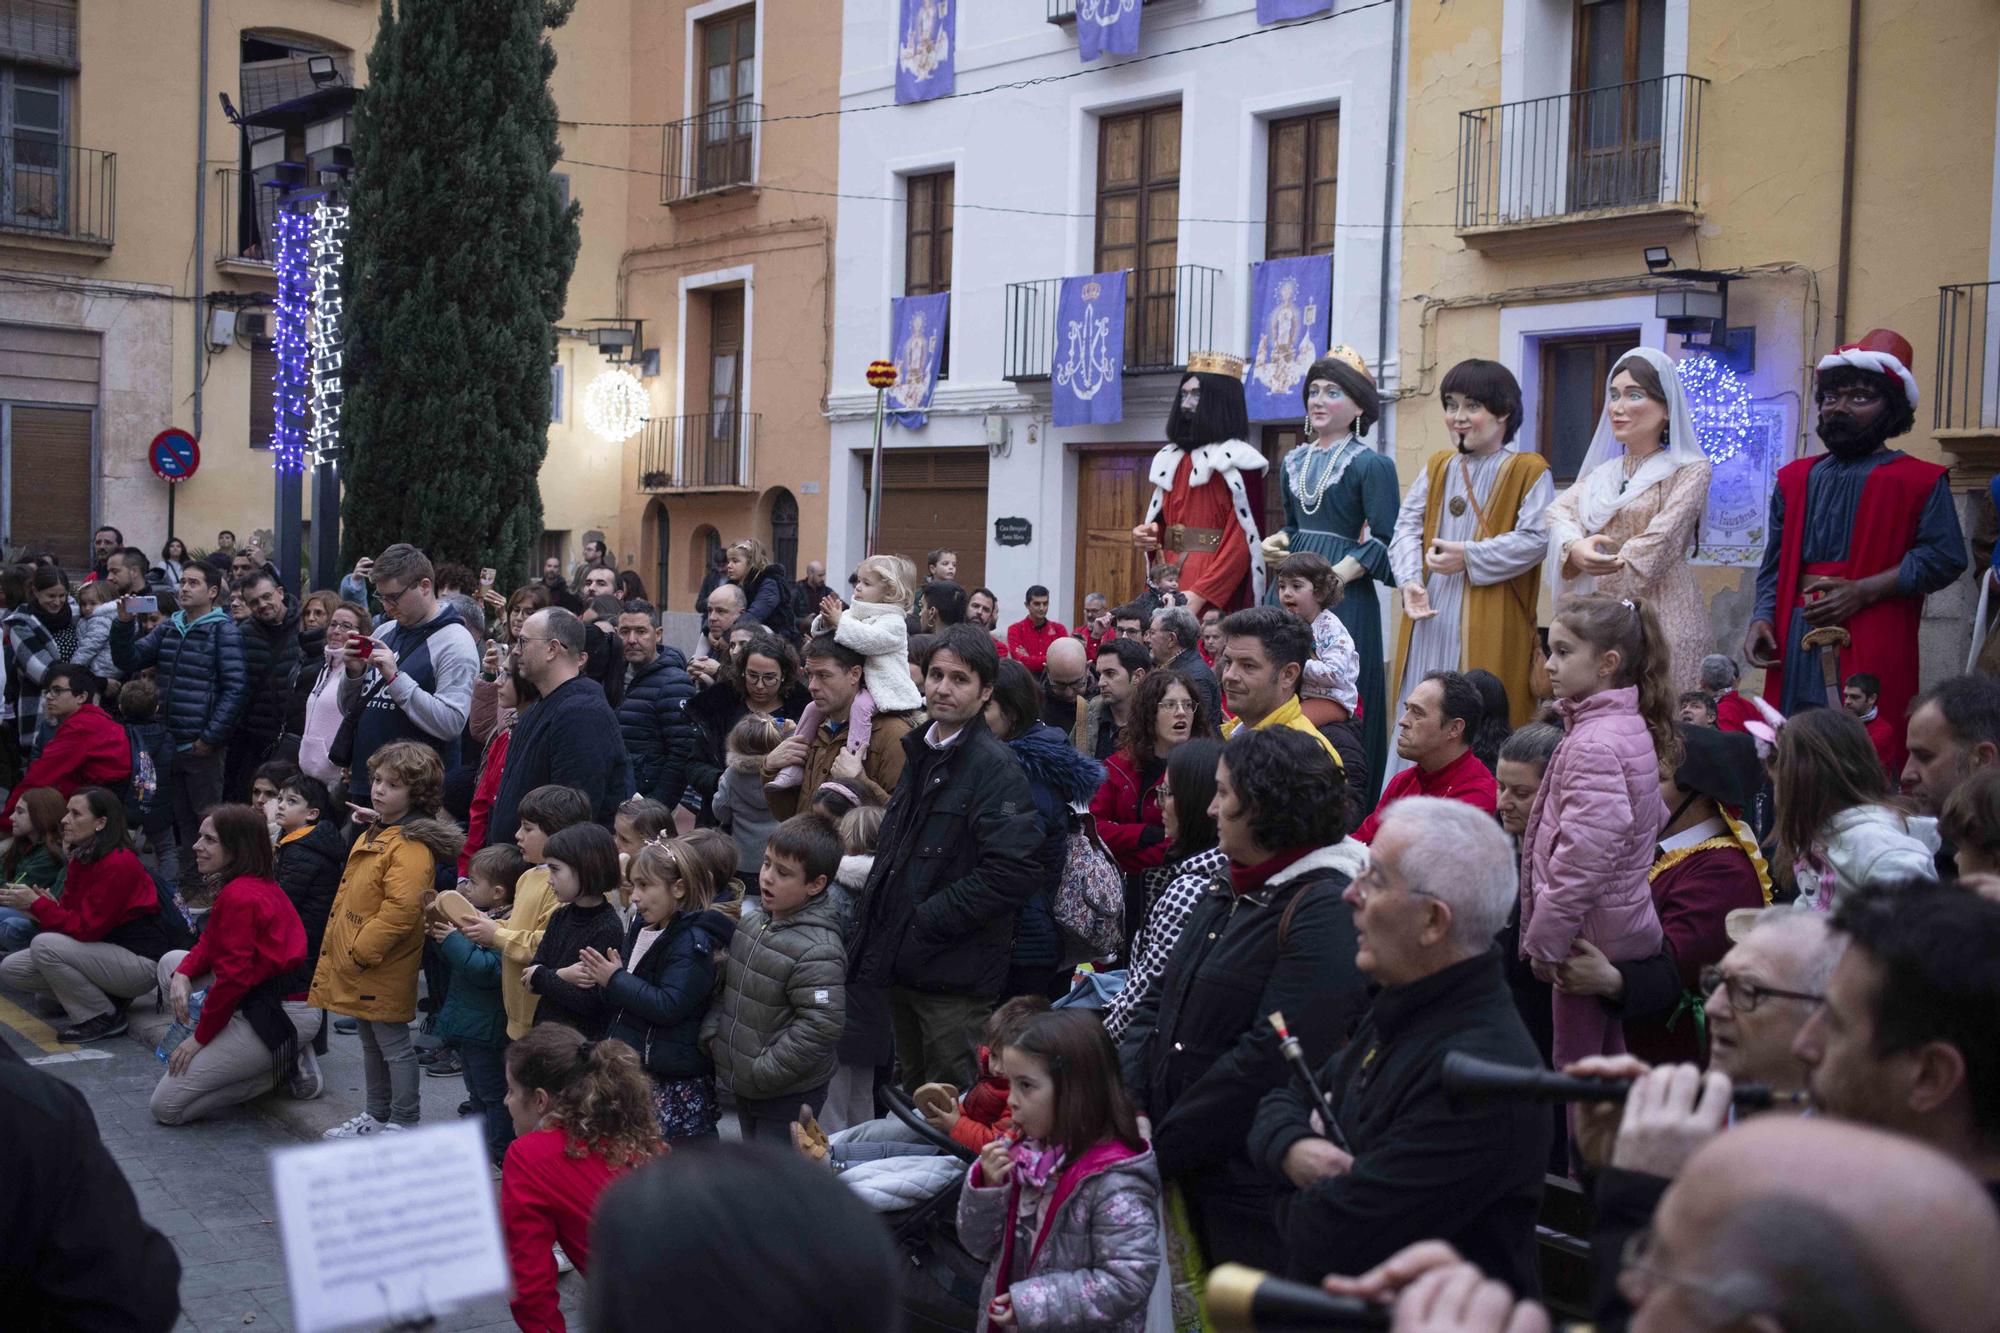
(927, 245)
(263, 390)
(1573, 374)
(1138, 223)
(1300, 187)
(49, 471)
(40, 32)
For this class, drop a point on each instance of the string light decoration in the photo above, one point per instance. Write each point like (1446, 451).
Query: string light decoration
(614, 406)
(288, 341)
(1719, 402)
(329, 250)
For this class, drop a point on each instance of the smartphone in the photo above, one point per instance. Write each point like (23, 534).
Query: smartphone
(486, 577)
(144, 606)
(363, 645)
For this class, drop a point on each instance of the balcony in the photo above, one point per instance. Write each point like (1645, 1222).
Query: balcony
(1614, 162)
(716, 451)
(1965, 404)
(1169, 313)
(710, 153)
(58, 192)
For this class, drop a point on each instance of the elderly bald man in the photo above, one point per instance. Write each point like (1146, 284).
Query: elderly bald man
(1781, 1224)
(1066, 675)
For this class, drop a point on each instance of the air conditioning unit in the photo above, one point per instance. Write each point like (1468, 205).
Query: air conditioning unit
(254, 325)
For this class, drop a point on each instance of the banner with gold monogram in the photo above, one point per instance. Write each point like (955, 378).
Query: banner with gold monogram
(1087, 382)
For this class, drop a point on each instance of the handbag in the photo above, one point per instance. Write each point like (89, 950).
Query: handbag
(1090, 899)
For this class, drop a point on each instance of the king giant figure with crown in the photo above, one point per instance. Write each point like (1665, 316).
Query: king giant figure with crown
(1208, 489)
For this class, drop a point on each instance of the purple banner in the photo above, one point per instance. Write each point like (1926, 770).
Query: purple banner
(1288, 330)
(1107, 28)
(1277, 11)
(1087, 381)
(917, 327)
(926, 33)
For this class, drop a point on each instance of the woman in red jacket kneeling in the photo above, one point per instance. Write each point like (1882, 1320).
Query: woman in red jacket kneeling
(252, 1029)
(583, 1114)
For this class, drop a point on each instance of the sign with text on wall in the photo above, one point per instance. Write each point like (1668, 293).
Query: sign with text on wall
(1013, 532)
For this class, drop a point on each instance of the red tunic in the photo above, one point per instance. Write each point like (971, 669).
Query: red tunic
(1693, 897)
(1463, 779)
(1885, 634)
(1220, 577)
(1732, 710)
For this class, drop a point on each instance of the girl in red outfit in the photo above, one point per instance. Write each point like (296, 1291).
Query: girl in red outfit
(250, 962)
(99, 945)
(583, 1114)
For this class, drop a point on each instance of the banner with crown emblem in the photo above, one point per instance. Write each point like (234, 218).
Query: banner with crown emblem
(926, 38)
(1107, 28)
(1289, 313)
(1277, 11)
(1087, 382)
(917, 327)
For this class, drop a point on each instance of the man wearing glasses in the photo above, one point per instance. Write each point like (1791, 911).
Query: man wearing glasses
(410, 679)
(89, 747)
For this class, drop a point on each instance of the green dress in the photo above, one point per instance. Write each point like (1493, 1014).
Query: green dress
(1331, 497)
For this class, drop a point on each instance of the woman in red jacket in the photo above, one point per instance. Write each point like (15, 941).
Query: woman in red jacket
(1166, 713)
(252, 1025)
(100, 943)
(583, 1114)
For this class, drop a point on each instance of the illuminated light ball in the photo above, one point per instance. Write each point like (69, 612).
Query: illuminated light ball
(614, 406)
(881, 374)
(1719, 402)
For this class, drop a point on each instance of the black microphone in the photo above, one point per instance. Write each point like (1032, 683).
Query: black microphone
(1469, 1080)
(1245, 1300)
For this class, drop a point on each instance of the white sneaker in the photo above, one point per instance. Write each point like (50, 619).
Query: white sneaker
(360, 1126)
(563, 1265)
(306, 1082)
(393, 1128)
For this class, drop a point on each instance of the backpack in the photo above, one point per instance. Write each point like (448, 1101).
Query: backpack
(1090, 897)
(145, 778)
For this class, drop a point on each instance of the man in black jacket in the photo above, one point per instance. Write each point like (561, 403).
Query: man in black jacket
(79, 1255)
(569, 739)
(955, 862)
(1436, 891)
(270, 661)
(652, 711)
(1199, 1053)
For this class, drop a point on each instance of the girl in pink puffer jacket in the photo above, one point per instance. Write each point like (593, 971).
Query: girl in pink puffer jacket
(1595, 825)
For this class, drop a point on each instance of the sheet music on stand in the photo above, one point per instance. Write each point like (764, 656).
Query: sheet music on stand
(388, 1231)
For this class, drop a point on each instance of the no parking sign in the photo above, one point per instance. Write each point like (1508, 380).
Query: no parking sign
(174, 455)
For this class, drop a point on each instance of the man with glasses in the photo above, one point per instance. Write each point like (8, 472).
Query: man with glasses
(411, 678)
(1437, 889)
(1824, 566)
(89, 747)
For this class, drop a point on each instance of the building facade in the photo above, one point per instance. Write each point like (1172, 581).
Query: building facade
(136, 283)
(1567, 157)
(1184, 169)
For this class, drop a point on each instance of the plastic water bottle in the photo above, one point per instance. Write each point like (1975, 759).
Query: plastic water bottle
(180, 1031)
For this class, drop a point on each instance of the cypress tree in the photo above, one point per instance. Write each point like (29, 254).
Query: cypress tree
(459, 257)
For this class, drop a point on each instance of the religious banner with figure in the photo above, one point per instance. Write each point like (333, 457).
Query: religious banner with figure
(1289, 300)
(925, 60)
(1277, 11)
(1733, 526)
(1107, 28)
(1087, 384)
(916, 337)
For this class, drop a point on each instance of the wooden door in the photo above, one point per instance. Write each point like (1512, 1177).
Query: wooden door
(933, 498)
(49, 470)
(1111, 493)
(1615, 118)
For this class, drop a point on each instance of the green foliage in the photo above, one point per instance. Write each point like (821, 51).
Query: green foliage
(459, 256)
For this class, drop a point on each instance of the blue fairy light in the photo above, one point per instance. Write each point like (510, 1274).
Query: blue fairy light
(1719, 402)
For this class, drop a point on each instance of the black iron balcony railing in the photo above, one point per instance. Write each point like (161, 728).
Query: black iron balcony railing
(1630, 145)
(1968, 367)
(716, 150)
(715, 451)
(1064, 11)
(57, 189)
(1169, 313)
(245, 218)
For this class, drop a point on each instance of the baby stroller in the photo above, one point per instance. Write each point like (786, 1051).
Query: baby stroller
(917, 1197)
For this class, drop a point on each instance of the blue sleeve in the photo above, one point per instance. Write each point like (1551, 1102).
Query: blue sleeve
(682, 993)
(1767, 569)
(769, 591)
(1938, 555)
(474, 964)
(233, 691)
(130, 652)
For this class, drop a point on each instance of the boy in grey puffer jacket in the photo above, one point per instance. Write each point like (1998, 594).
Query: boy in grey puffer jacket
(774, 1030)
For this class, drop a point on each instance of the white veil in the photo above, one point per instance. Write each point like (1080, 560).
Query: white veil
(1604, 490)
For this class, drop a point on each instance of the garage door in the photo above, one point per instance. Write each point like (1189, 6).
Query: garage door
(933, 498)
(48, 397)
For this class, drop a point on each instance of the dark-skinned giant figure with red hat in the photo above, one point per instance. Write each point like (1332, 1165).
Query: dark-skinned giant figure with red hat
(1859, 535)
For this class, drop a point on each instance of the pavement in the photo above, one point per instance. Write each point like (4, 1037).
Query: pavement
(207, 1185)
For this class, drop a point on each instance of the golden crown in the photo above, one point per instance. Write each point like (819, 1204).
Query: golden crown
(1216, 363)
(1342, 352)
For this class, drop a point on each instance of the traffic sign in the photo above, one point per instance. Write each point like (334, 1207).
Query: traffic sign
(174, 455)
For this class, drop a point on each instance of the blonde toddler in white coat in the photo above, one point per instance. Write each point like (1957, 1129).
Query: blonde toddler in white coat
(873, 627)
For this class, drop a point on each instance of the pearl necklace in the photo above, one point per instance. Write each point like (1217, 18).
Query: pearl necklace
(1310, 492)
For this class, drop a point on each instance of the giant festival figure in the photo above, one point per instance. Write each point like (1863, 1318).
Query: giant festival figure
(1208, 488)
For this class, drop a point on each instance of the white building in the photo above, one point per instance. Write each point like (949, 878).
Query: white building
(1172, 167)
